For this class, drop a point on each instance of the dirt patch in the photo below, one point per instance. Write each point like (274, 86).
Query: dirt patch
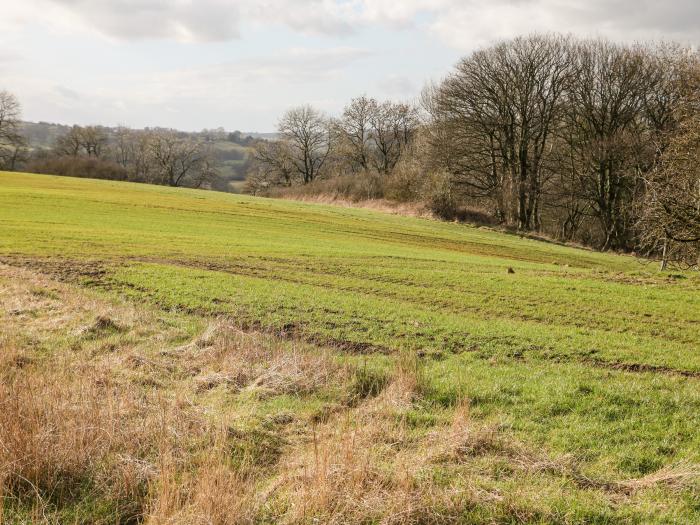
(60, 269)
(641, 368)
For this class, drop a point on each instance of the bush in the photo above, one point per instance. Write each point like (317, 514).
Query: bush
(86, 167)
(439, 196)
(353, 187)
(405, 184)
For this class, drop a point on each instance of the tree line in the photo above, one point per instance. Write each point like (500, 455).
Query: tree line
(160, 156)
(584, 140)
(155, 156)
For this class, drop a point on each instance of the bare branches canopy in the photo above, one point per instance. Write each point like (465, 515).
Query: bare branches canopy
(548, 133)
(12, 143)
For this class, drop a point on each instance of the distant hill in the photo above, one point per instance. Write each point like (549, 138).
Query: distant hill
(232, 148)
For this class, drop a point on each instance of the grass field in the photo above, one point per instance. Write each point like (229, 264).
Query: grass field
(179, 356)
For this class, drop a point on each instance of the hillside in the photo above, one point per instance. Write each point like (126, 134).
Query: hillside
(281, 361)
(230, 150)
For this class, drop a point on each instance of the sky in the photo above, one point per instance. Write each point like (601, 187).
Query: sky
(239, 64)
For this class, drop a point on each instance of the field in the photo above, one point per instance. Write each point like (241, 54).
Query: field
(180, 356)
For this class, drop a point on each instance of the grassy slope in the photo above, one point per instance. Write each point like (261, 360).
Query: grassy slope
(580, 353)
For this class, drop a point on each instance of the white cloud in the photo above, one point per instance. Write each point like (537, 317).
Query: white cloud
(467, 24)
(398, 86)
(296, 66)
(183, 20)
(94, 61)
(66, 93)
(459, 23)
(249, 90)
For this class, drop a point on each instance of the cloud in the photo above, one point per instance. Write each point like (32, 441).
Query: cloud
(202, 95)
(282, 71)
(202, 20)
(66, 93)
(467, 24)
(461, 24)
(398, 86)
(184, 20)
(8, 56)
(67, 61)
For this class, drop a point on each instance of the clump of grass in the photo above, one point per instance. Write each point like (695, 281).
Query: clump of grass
(65, 435)
(364, 466)
(254, 447)
(366, 383)
(209, 491)
(101, 327)
(677, 477)
(259, 363)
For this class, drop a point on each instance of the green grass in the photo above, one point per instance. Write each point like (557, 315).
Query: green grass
(576, 352)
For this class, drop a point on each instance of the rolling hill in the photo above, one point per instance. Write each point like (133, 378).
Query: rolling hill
(334, 364)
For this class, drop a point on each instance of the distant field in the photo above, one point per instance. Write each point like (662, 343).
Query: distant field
(504, 380)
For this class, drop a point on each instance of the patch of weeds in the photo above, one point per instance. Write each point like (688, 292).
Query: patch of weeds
(418, 418)
(367, 382)
(254, 447)
(102, 327)
(45, 293)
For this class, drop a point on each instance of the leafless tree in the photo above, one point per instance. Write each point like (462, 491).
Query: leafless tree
(355, 127)
(93, 140)
(392, 128)
(309, 138)
(607, 136)
(10, 112)
(88, 140)
(14, 154)
(498, 112)
(272, 164)
(122, 149)
(179, 161)
(69, 144)
(12, 144)
(669, 222)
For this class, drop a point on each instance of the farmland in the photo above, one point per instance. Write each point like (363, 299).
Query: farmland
(258, 360)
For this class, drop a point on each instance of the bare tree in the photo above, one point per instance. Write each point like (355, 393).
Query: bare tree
(272, 165)
(122, 149)
(309, 138)
(10, 112)
(93, 140)
(498, 112)
(355, 126)
(15, 154)
(89, 140)
(392, 128)
(670, 211)
(70, 144)
(606, 132)
(179, 161)
(12, 143)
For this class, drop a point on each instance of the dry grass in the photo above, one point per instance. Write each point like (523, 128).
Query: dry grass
(100, 420)
(361, 466)
(406, 209)
(83, 438)
(258, 363)
(208, 492)
(106, 417)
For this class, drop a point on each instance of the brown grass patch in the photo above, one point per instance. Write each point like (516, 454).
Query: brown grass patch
(259, 363)
(105, 416)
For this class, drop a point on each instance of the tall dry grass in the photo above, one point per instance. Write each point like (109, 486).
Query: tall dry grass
(105, 417)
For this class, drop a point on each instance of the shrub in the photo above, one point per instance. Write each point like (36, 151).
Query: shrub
(353, 187)
(86, 167)
(439, 196)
